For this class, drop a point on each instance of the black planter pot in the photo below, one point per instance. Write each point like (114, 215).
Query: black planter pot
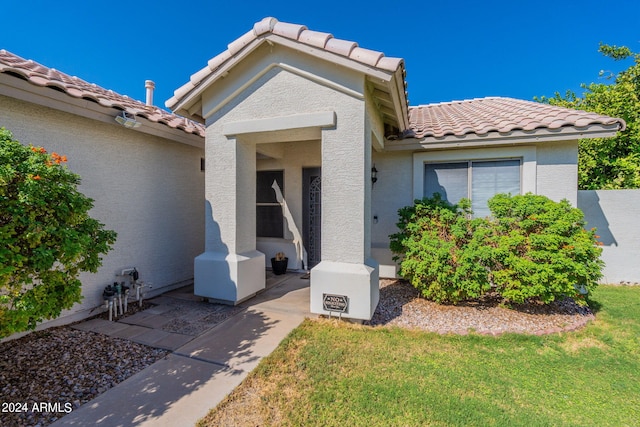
(279, 267)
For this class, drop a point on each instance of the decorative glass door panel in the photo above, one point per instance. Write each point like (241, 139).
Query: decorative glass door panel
(312, 220)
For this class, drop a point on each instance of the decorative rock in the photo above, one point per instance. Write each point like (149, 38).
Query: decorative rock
(67, 366)
(401, 305)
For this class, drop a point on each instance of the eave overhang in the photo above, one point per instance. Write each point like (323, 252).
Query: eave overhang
(516, 137)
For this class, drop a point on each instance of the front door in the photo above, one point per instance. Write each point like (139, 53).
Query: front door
(311, 223)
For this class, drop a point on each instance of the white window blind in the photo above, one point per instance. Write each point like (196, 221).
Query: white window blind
(491, 178)
(475, 180)
(450, 180)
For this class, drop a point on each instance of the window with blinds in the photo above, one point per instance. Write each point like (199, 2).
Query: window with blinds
(474, 180)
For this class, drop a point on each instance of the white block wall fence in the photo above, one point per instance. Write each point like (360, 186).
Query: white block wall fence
(616, 216)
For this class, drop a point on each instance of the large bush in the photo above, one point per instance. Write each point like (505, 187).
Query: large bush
(540, 249)
(531, 248)
(441, 250)
(46, 236)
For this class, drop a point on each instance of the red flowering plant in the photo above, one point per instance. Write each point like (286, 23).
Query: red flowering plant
(46, 236)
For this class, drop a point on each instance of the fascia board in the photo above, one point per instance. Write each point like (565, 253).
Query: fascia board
(399, 100)
(193, 96)
(495, 138)
(393, 80)
(344, 61)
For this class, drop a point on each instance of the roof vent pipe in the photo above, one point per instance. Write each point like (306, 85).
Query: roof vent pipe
(150, 86)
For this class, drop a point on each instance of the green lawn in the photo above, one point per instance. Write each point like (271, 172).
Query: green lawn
(328, 373)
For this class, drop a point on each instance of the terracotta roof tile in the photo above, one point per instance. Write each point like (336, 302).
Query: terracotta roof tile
(40, 75)
(315, 38)
(295, 32)
(290, 31)
(341, 47)
(502, 115)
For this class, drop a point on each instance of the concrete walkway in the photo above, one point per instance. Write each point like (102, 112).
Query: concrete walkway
(202, 370)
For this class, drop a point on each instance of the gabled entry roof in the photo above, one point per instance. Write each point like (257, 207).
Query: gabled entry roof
(386, 74)
(484, 119)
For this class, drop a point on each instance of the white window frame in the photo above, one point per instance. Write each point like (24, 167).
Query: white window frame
(528, 176)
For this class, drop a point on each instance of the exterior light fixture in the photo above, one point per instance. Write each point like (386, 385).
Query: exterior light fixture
(128, 122)
(374, 175)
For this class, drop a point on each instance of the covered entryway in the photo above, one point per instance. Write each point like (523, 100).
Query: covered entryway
(292, 102)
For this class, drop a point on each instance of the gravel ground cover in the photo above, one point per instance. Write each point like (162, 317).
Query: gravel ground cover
(401, 305)
(63, 368)
(57, 370)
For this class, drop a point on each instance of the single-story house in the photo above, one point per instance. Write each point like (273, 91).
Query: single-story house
(310, 148)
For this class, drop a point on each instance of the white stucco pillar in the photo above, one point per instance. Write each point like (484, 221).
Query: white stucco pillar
(346, 269)
(231, 269)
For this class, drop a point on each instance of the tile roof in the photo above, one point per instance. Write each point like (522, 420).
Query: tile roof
(495, 114)
(478, 117)
(40, 75)
(295, 32)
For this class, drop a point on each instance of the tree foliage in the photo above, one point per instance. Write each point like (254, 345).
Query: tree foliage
(611, 163)
(46, 236)
(532, 248)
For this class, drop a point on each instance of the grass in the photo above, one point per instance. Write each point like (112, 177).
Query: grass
(328, 373)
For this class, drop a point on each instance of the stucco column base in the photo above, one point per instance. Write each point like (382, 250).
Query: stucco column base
(229, 278)
(359, 282)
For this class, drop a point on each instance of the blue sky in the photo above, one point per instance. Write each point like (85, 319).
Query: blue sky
(453, 49)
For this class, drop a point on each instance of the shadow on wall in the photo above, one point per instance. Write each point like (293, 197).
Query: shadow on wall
(301, 252)
(589, 203)
(206, 277)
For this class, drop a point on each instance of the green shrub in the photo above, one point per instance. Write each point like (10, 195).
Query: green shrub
(46, 236)
(541, 250)
(441, 250)
(532, 248)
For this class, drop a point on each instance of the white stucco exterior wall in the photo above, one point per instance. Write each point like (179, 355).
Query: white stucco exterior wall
(148, 189)
(344, 162)
(557, 170)
(392, 191)
(296, 84)
(615, 214)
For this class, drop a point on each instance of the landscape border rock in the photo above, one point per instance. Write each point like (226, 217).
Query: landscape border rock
(401, 305)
